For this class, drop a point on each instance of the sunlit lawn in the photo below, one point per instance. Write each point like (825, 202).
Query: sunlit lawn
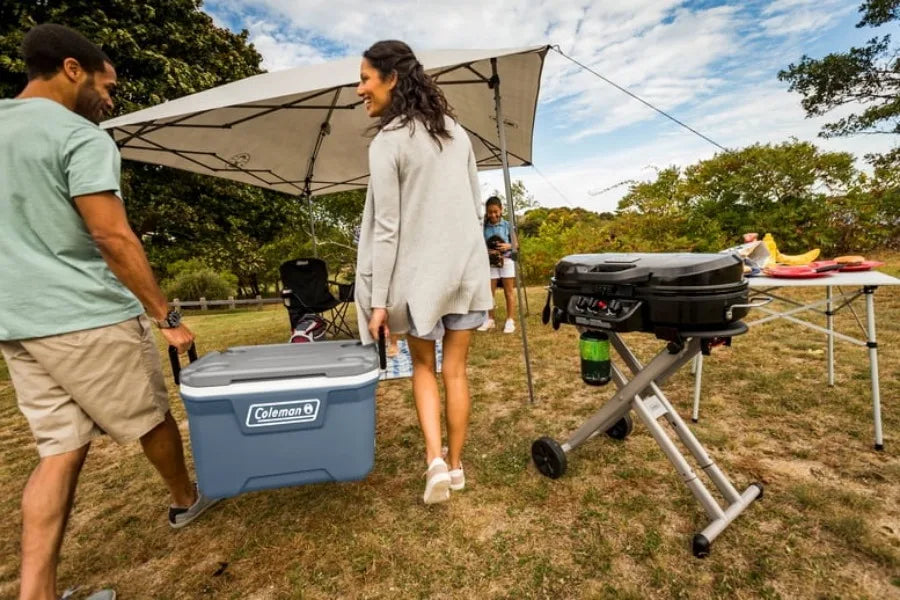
(617, 525)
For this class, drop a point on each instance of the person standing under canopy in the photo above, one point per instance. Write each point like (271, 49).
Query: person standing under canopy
(501, 242)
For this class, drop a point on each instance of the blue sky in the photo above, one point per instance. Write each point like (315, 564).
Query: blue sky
(712, 64)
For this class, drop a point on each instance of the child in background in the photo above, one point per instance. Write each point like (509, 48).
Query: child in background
(501, 243)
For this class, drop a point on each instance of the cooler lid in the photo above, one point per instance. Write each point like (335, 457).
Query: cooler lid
(280, 361)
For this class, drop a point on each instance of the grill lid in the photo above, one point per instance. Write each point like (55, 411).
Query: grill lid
(664, 269)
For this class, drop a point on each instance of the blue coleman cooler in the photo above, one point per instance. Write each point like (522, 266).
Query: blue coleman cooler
(281, 415)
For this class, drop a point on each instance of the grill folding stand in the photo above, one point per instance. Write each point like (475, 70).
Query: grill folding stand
(642, 394)
(585, 282)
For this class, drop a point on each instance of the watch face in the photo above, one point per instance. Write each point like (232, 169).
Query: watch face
(173, 318)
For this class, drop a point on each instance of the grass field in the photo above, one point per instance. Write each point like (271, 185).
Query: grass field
(617, 525)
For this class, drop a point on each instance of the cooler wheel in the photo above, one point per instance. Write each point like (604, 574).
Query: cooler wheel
(548, 457)
(621, 429)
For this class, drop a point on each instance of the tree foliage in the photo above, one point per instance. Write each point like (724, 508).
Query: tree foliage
(522, 199)
(165, 49)
(162, 49)
(868, 75)
(192, 279)
(805, 197)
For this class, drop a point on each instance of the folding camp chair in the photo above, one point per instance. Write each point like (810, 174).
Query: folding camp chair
(307, 289)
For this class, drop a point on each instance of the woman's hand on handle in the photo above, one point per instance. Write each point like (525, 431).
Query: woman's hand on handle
(378, 319)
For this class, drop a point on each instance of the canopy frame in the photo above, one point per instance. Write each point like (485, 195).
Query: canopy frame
(498, 154)
(494, 83)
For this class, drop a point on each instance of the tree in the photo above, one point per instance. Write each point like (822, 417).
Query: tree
(805, 197)
(869, 75)
(164, 49)
(782, 189)
(522, 199)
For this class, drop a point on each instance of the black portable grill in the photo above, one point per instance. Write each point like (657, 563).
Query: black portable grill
(693, 302)
(664, 294)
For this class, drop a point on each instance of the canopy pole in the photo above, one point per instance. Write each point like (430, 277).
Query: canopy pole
(312, 221)
(494, 84)
(324, 129)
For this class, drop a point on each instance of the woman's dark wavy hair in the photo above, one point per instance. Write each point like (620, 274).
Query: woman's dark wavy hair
(416, 96)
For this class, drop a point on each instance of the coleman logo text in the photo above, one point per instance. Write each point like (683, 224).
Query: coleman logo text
(282, 413)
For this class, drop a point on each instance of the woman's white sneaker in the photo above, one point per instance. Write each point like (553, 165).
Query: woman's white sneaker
(457, 479)
(510, 326)
(487, 325)
(437, 482)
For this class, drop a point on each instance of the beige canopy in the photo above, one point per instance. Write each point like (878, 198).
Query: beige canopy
(304, 131)
(276, 130)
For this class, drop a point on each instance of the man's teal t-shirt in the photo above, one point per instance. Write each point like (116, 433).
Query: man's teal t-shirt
(53, 278)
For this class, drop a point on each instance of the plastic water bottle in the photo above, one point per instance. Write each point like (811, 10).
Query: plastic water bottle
(594, 347)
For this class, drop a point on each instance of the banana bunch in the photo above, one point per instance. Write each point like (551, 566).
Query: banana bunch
(776, 257)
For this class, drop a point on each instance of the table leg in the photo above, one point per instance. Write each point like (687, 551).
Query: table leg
(872, 345)
(829, 318)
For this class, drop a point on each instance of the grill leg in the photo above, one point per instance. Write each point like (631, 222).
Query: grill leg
(684, 433)
(619, 405)
(698, 381)
(643, 395)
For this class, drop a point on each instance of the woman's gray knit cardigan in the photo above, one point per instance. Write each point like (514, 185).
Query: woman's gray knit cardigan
(421, 248)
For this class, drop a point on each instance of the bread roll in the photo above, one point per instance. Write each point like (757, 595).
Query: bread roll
(850, 259)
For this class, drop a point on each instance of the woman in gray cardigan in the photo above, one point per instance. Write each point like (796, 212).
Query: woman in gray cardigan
(422, 263)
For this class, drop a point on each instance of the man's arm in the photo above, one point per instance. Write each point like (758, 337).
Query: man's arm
(104, 217)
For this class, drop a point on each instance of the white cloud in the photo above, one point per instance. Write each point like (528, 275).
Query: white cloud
(790, 17)
(713, 67)
(744, 117)
(281, 50)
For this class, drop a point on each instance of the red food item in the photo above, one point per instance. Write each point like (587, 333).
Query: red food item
(796, 272)
(863, 266)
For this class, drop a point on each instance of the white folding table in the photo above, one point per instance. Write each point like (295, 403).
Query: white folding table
(862, 283)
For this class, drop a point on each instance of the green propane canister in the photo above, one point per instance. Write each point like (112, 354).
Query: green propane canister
(594, 347)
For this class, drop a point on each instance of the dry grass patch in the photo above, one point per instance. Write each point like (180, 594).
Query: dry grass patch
(617, 525)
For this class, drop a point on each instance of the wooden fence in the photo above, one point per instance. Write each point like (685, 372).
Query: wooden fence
(230, 303)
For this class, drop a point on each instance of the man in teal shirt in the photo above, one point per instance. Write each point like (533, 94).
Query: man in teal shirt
(75, 286)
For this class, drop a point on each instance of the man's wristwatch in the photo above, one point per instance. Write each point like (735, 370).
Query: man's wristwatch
(171, 320)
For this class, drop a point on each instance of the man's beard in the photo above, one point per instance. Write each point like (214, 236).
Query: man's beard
(88, 103)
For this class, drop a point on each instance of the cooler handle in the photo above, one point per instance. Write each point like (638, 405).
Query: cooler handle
(176, 363)
(382, 350)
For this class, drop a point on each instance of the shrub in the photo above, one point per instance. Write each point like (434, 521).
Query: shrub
(192, 280)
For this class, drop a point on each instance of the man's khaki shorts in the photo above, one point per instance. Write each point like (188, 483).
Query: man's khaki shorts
(76, 386)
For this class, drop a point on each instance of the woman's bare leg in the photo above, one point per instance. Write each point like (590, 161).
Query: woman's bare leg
(509, 290)
(426, 394)
(493, 293)
(456, 386)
